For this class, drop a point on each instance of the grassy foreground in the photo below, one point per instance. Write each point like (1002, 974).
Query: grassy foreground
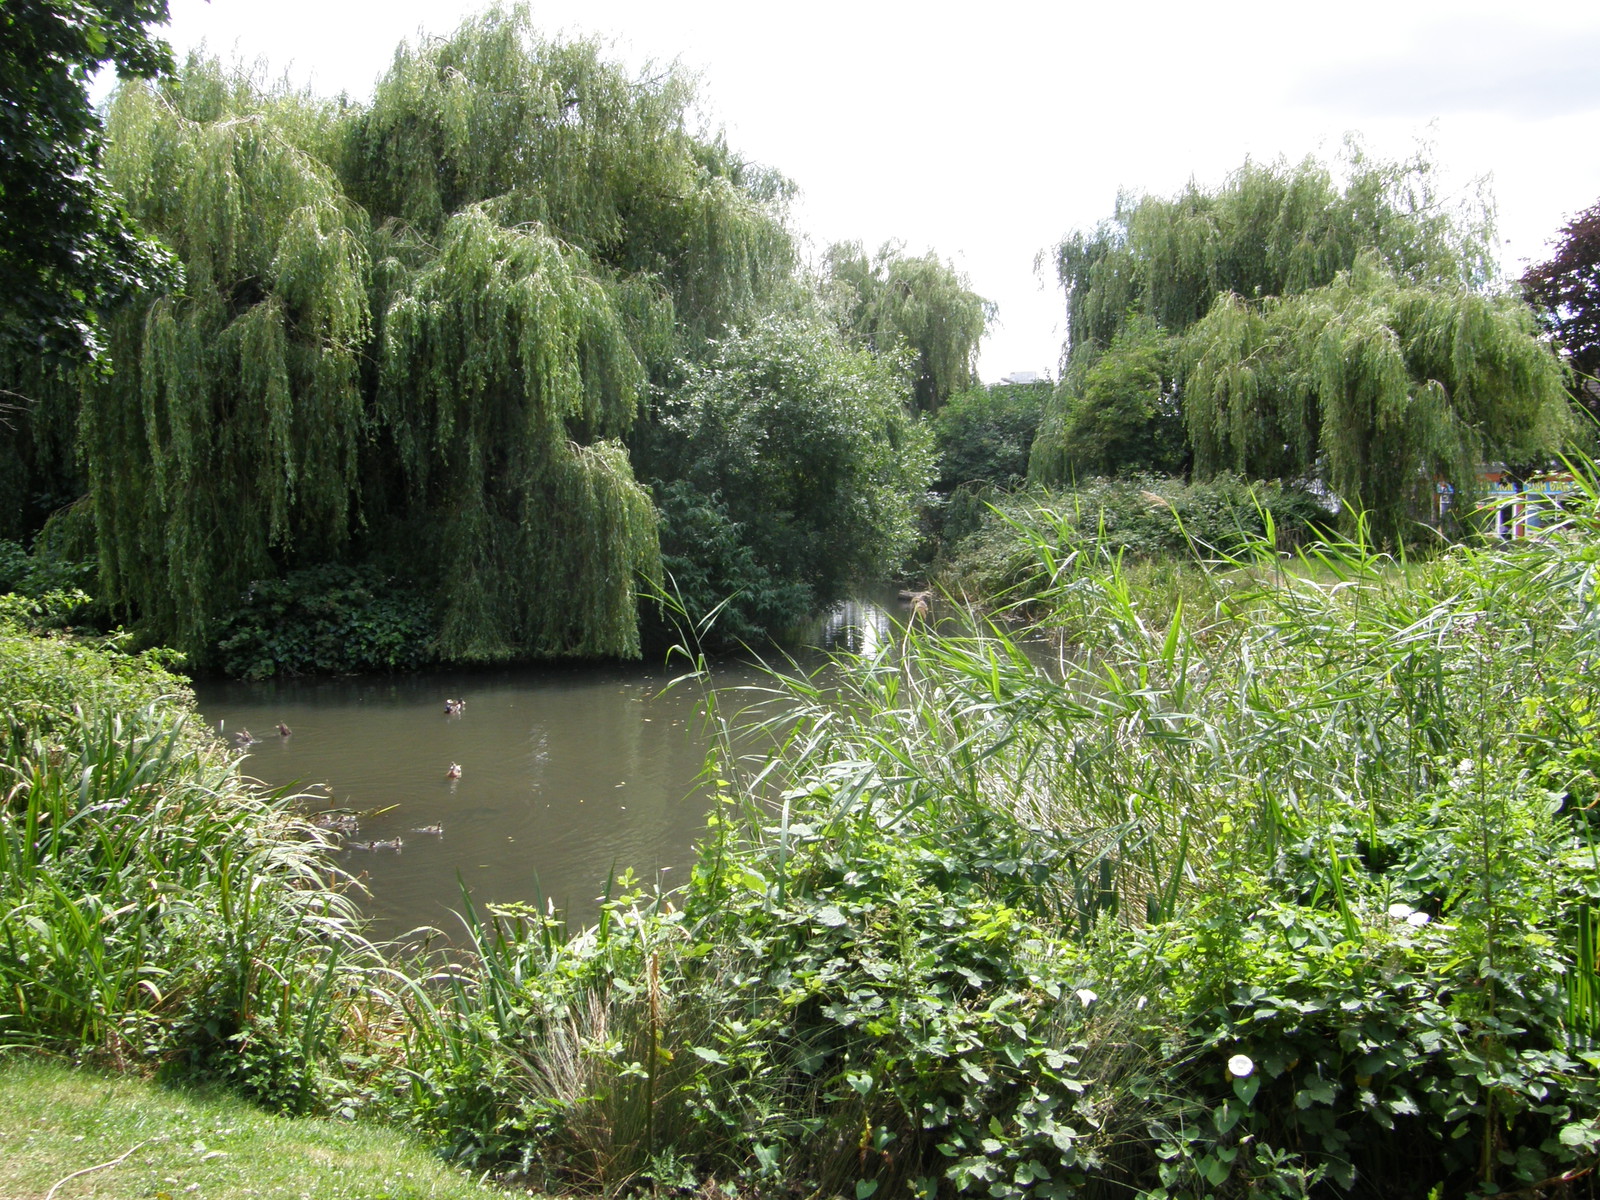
(93, 1136)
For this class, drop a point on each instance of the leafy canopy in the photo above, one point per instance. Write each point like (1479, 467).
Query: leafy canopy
(893, 300)
(1565, 291)
(228, 439)
(1377, 384)
(1344, 332)
(1268, 230)
(1117, 411)
(67, 246)
(808, 444)
(983, 434)
(414, 335)
(557, 135)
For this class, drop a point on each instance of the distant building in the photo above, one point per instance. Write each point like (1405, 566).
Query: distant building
(1514, 506)
(1022, 377)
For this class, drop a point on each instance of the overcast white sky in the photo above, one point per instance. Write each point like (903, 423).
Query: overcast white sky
(984, 132)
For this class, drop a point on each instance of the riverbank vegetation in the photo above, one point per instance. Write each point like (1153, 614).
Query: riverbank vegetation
(1289, 893)
(1220, 849)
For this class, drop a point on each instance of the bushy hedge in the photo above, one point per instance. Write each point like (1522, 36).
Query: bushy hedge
(1140, 518)
(329, 619)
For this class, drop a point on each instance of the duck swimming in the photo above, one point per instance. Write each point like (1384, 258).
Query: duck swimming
(454, 772)
(284, 730)
(453, 708)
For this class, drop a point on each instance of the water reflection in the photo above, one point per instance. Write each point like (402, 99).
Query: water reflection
(858, 626)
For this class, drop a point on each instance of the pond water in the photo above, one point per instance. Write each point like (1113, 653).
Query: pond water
(568, 775)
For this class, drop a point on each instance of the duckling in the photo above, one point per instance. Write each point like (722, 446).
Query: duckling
(391, 844)
(454, 708)
(436, 830)
(454, 772)
(284, 730)
(244, 738)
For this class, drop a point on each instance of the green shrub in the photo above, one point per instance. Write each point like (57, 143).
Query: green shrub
(159, 910)
(714, 579)
(1142, 519)
(329, 619)
(62, 589)
(982, 436)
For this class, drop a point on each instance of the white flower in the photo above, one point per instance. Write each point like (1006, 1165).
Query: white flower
(1240, 1066)
(1419, 919)
(1401, 912)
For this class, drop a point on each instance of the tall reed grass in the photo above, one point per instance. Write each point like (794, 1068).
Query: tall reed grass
(159, 909)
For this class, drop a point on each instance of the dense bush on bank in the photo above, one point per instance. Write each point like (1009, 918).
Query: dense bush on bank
(158, 908)
(1141, 517)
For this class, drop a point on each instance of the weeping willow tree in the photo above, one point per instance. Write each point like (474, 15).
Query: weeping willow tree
(224, 445)
(548, 232)
(893, 300)
(1376, 383)
(556, 135)
(412, 332)
(501, 350)
(1339, 330)
(1268, 230)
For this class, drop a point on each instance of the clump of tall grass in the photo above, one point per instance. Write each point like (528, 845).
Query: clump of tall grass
(1289, 895)
(158, 908)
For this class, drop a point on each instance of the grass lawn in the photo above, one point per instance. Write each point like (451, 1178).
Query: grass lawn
(155, 1142)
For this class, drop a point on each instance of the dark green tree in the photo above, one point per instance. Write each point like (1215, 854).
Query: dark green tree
(497, 359)
(1565, 293)
(67, 247)
(1116, 412)
(893, 300)
(983, 435)
(807, 444)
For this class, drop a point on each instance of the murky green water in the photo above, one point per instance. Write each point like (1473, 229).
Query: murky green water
(568, 776)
